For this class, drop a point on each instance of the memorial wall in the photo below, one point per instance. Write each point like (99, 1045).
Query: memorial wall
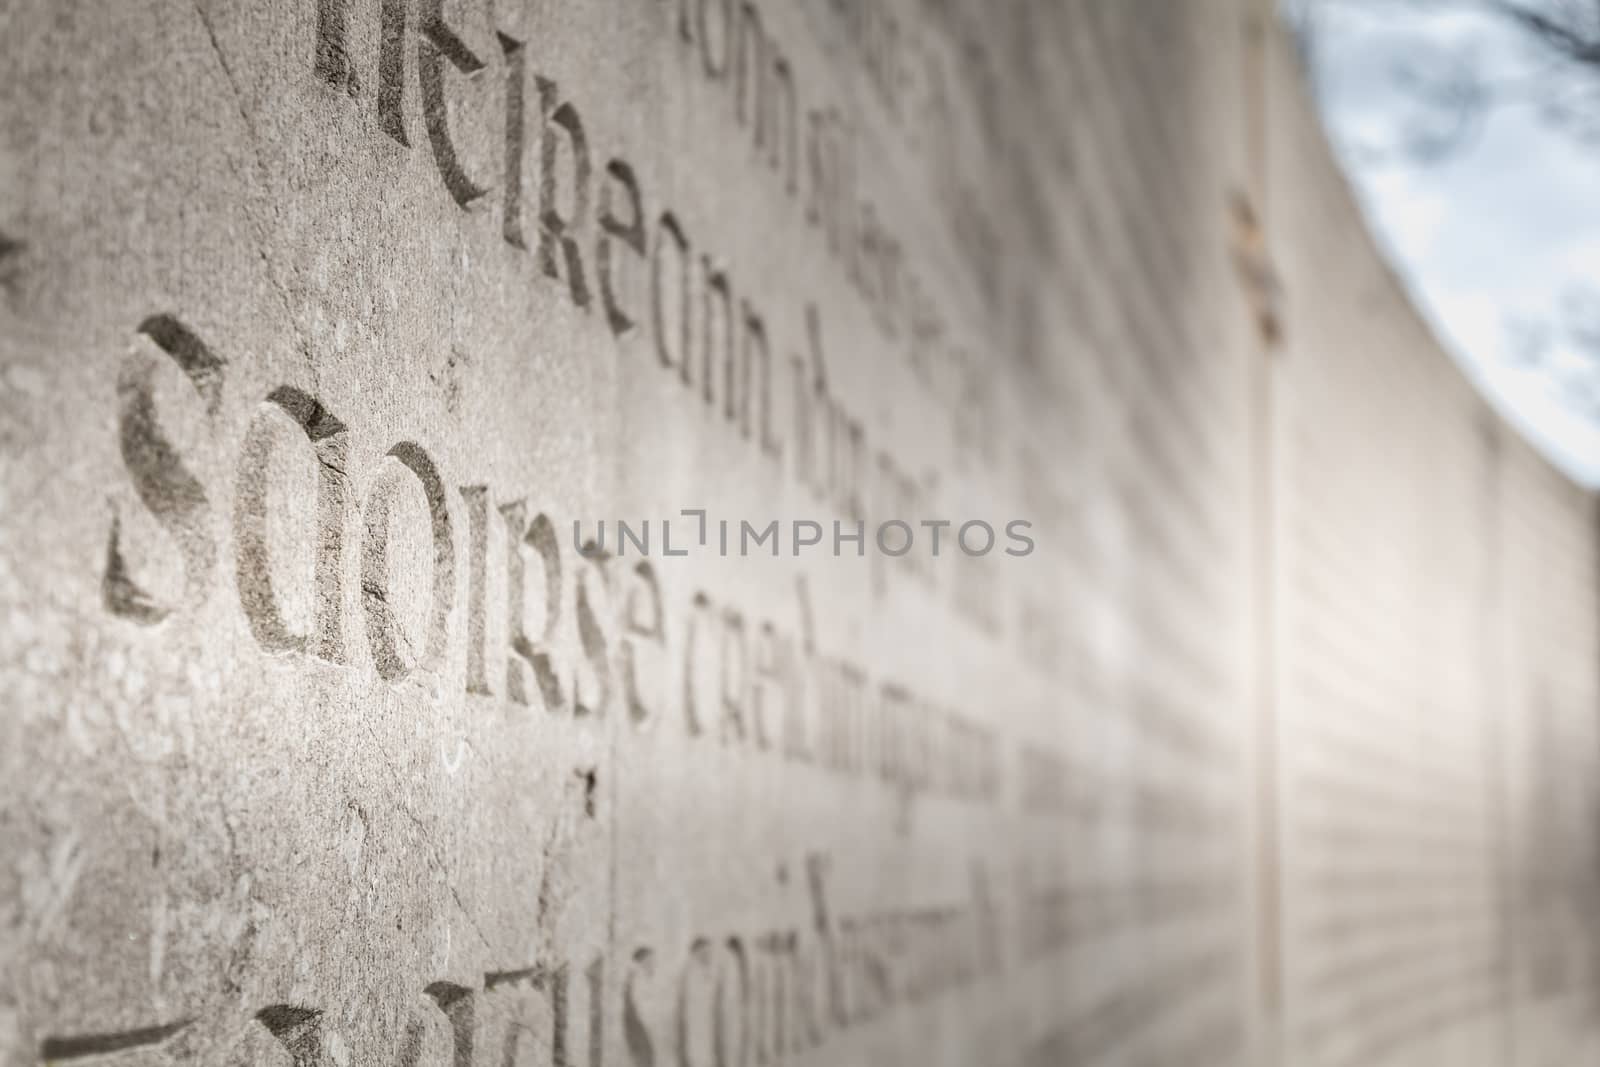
(725, 533)
(1437, 674)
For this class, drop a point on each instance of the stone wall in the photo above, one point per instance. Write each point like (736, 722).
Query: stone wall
(337, 730)
(1438, 674)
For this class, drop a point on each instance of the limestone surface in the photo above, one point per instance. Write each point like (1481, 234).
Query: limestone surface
(721, 533)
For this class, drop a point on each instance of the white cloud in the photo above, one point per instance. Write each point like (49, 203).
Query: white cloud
(1497, 232)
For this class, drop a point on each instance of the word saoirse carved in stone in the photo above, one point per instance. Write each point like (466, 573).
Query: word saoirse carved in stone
(182, 505)
(581, 630)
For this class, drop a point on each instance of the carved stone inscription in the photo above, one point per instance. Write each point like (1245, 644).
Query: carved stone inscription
(698, 533)
(526, 542)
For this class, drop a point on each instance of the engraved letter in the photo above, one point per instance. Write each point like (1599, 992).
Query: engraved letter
(391, 71)
(335, 66)
(383, 629)
(641, 1050)
(644, 625)
(95, 1046)
(555, 230)
(750, 59)
(516, 81)
(755, 374)
(777, 122)
(540, 535)
(718, 316)
(456, 1004)
(164, 484)
(476, 498)
(669, 229)
(330, 442)
(596, 647)
(299, 1030)
(714, 54)
(333, 46)
(629, 231)
(441, 43)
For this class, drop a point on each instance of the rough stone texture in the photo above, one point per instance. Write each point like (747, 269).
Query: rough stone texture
(321, 321)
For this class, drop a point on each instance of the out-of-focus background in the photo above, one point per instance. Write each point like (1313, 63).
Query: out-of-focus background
(1471, 131)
